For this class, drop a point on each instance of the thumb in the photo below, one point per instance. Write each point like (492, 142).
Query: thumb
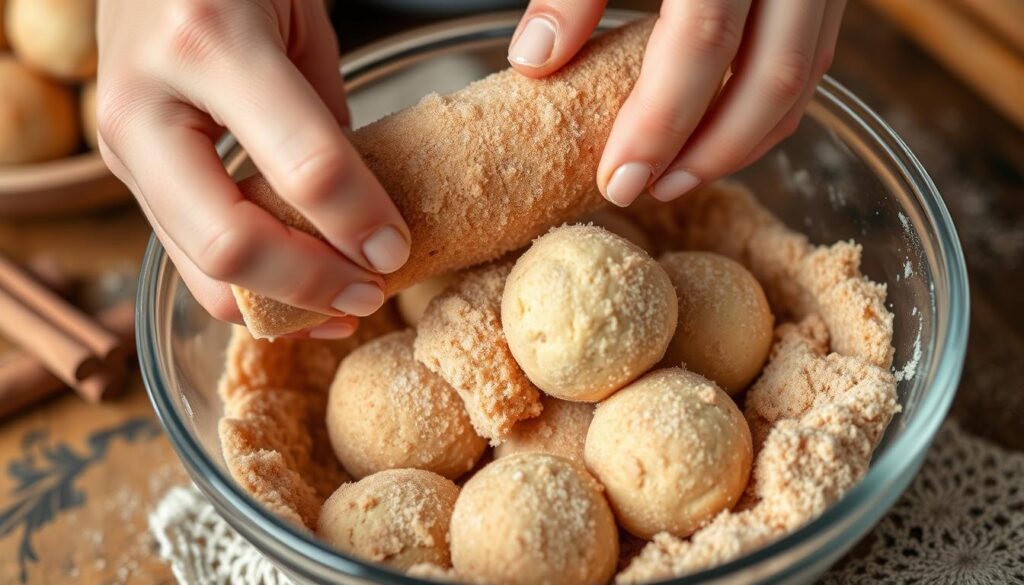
(551, 32)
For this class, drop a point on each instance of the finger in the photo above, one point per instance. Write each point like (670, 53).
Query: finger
(315, 54)
(772, 72)
(335, 328)
(298, 145)
(189, 198)
(823, 55)
(551, 32)
(687, 56)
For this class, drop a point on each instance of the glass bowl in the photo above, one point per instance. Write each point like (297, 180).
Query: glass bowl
(843, 175)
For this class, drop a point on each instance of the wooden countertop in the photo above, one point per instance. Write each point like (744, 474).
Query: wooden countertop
(92, 474)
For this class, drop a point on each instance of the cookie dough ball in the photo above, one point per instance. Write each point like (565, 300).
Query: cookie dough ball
(388, 411)
(725, 323)
(412, 302)
(533, 518)
(37, 117)
(397, 517)
(561, 429)
(87, 108)
(586, 311)
(57, 37)
(672, 451)
(618, 224)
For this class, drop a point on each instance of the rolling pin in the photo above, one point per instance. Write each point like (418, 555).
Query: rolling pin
(482, 171)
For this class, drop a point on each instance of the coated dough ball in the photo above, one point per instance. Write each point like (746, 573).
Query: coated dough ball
(585, 312)
(672, 451)
(87, 107)
(618, 224)
(533, 519)
(725, 324)
(388, 411)
(412, 302)
(561, 429)
(397, 517)
(57, 37)
(37, 117)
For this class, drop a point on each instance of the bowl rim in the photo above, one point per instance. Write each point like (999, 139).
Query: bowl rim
(882, 484)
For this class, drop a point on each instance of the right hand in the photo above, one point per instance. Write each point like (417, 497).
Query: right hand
(173, 74)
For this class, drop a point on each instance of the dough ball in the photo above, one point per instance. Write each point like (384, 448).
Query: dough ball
(585, 312)
(561, 429)
(388, 411)
(672, 451)
(3, 31)
(38, 120)
(412, 302)
(618, 224)
(725, 323)
(87, 107)
(533, 518)
(397, 517)
(57, 37)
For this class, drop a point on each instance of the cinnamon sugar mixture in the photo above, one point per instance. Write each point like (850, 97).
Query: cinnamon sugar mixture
(816, 413)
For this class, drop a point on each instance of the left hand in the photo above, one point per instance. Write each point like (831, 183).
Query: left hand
(681, 127)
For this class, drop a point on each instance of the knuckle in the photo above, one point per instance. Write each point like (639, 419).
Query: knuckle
(787, 76)
(661, 116)
(228, 253)
(714, 28)
(116, 101)
(313, 180)
(196, 29)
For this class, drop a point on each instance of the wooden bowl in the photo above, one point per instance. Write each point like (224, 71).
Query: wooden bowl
(74, 183)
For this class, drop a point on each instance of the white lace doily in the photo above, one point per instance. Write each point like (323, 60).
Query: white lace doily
(960, 522)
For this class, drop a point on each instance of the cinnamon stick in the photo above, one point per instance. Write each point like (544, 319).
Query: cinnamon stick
(1004, 17)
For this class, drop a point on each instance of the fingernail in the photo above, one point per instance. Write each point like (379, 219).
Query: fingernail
(336, 330)
(359, 299)
(386, 250)
(534, 46)
(674, 185)
(627, 182)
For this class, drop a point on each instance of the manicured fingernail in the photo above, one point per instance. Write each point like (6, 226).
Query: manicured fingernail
(335, 330)
(534, 46)
(674, 185)
(386, 250)
(627, 182)
(360, 299)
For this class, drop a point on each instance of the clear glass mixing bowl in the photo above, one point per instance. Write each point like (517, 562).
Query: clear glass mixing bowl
(843, 175)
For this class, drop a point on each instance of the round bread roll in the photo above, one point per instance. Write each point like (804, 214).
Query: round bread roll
(87, 107)
(533, 518)
(672, 451)
(618, 224)
(725, 323)
(388, 411)
(57, 37)
(412, 302)
(397, 517)
(561, 429)
(586, 311)
(37, 117)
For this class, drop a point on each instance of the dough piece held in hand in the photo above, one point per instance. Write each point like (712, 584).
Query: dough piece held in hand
(533, 518)
(388, 411)
(483, 171)
(561, 429)
(725, 324)
(460, 338)
(398, 518)
(586, 312)
(672, 451)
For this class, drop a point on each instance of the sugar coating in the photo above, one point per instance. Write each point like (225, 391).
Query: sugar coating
(672, 451)
(533, 518)
(725, 324)
(273, 435)
(615, 221)
(412, 302)
(388, 411)
(508, 153)
(397, 517)
(460, 338)
(561, 429)
(586, 311)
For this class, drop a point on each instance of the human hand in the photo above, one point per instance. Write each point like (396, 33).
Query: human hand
(173, 74)
(680, 127)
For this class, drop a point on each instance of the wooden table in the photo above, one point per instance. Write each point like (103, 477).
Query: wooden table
(110, 464)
